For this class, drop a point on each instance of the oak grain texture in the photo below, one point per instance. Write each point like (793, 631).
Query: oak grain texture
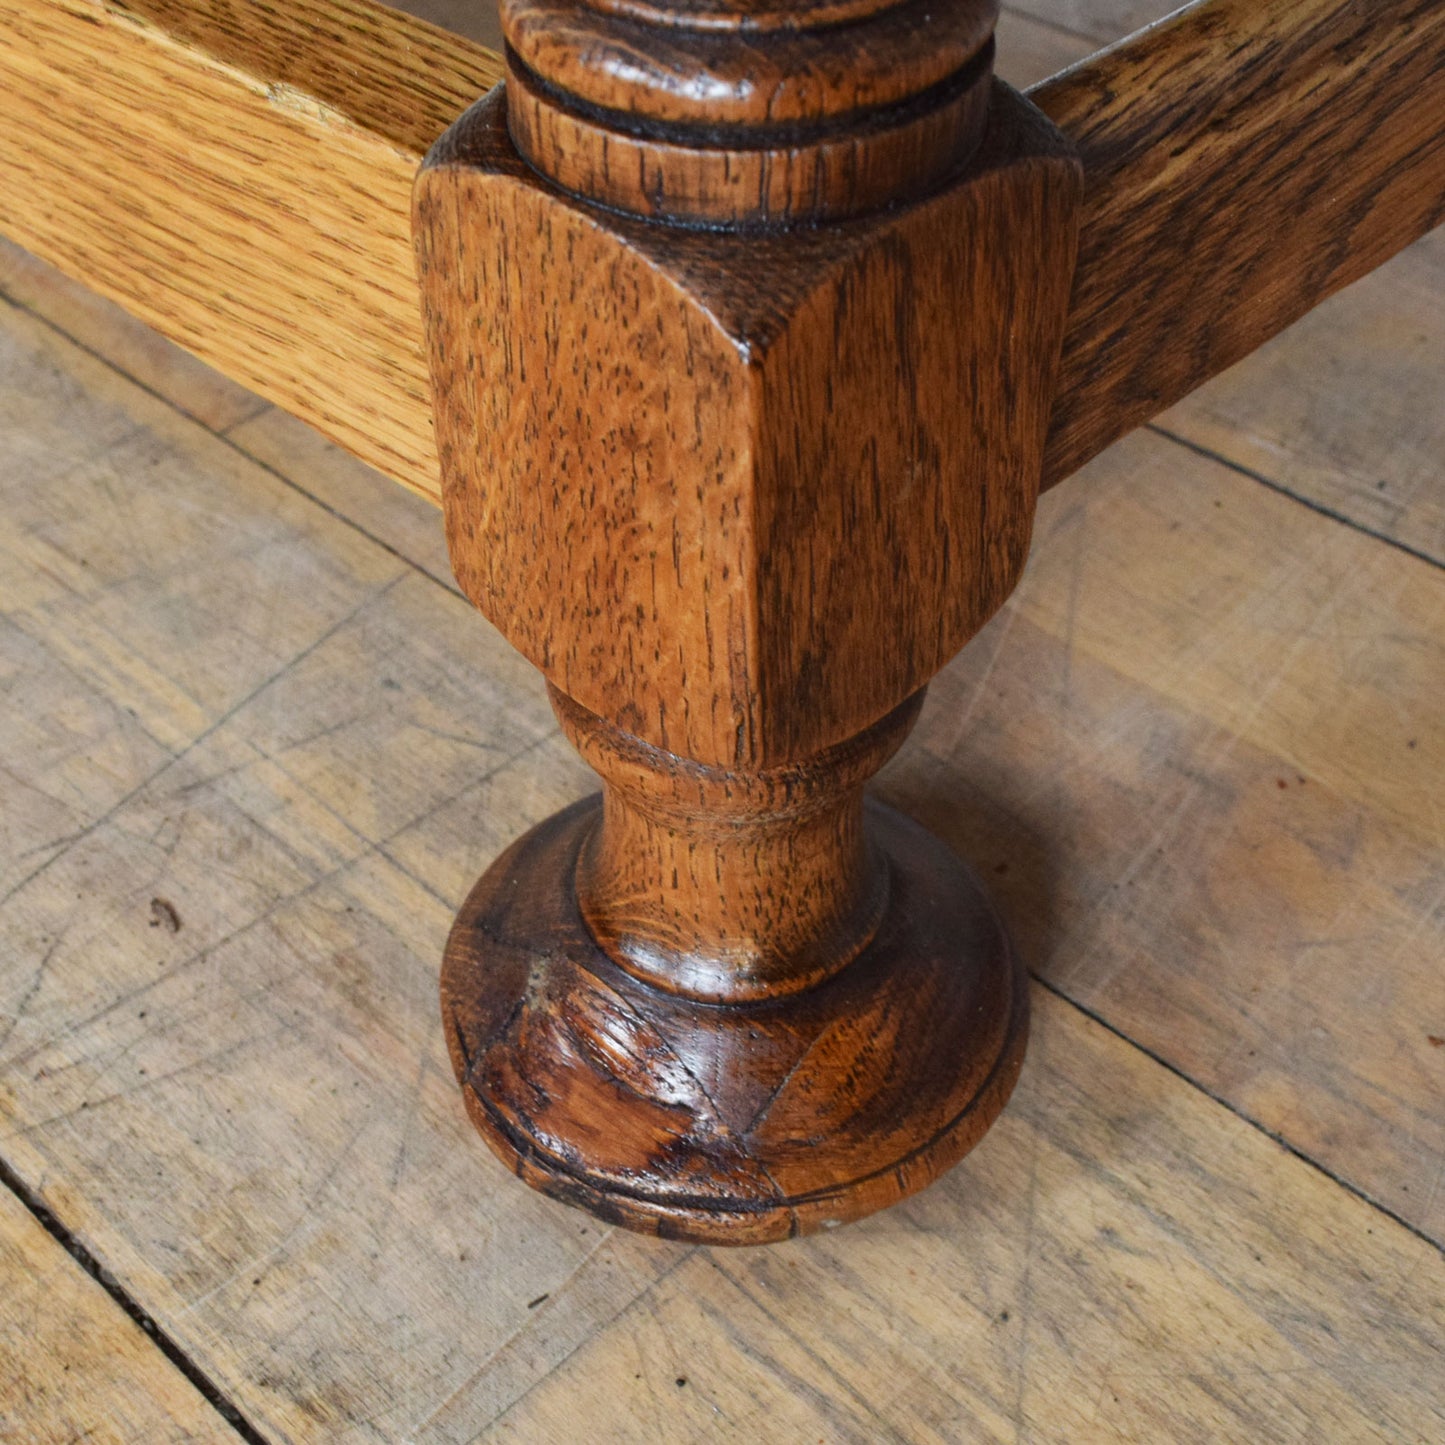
(1203, 602)
(772, 1117)
(1171, 1271)
(1242, 163)
(708, 481)
(73, 1365)
(217, 402)
(312, 144)
(1375, 461)
(259, 216)
(791, 113)
(379, 87)
(646, 485)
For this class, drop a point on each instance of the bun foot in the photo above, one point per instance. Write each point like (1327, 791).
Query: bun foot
(740, 1122)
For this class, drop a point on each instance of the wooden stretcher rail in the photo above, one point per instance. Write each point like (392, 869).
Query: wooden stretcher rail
(239, 177)
(1242, 162)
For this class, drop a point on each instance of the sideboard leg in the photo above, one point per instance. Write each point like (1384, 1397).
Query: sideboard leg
(731, 1007)
(741, 392)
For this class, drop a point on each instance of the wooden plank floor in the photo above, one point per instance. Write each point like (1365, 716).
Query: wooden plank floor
(254, 749)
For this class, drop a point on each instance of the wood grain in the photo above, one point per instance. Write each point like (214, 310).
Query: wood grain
(1208, 591)
(141, 655)
(726, 524)
(1343, 409)
(657, 535)
(214, 400)
(334, 127)
(73, 1365)
(259, 217)
(1202, 753)
(731, 1121)
(1242, 163)
(734, 114)
(1171, 1273)
(1169, 1278)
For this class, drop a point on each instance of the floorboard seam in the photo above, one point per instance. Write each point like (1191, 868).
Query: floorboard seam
(1209, 454)
(51, 1223)
(1255, 1124)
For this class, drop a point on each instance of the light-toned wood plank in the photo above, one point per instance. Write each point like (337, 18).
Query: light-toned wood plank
(73, 1364)
(261, 216)
(251, 1123)
(1101, 21)
(1241, 163)
(1210, 723)
(315, 116)
(126, 342)
(1345, 408)
(1120, 1260)
(247, 730)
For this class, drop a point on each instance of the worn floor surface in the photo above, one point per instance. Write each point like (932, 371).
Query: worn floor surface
(254, 749)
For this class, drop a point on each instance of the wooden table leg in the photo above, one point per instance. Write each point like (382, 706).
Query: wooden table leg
(739, 459)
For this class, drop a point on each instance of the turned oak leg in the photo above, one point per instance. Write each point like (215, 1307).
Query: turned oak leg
(731, 1007)
(739, 458)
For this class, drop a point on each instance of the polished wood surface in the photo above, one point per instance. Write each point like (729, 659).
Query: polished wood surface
(733, 113)
(727, 524)
(792, 1111)
(1166, 1267)
(1244, 162)
(260, 215)
(544, 458)
(782, 705)
(658, 535)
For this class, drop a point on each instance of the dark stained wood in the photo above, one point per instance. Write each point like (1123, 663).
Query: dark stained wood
(731, 886)
(297, 1093)
(742, 493)
(725, 112)
(741, 1124)
(1243, 162)
(709, 482)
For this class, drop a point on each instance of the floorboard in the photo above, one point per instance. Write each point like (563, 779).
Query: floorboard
(254, 749)
(1346, 409)
(265, 750)
(73, 1364)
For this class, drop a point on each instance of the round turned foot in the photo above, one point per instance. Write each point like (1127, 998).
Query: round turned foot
(741, 1122)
